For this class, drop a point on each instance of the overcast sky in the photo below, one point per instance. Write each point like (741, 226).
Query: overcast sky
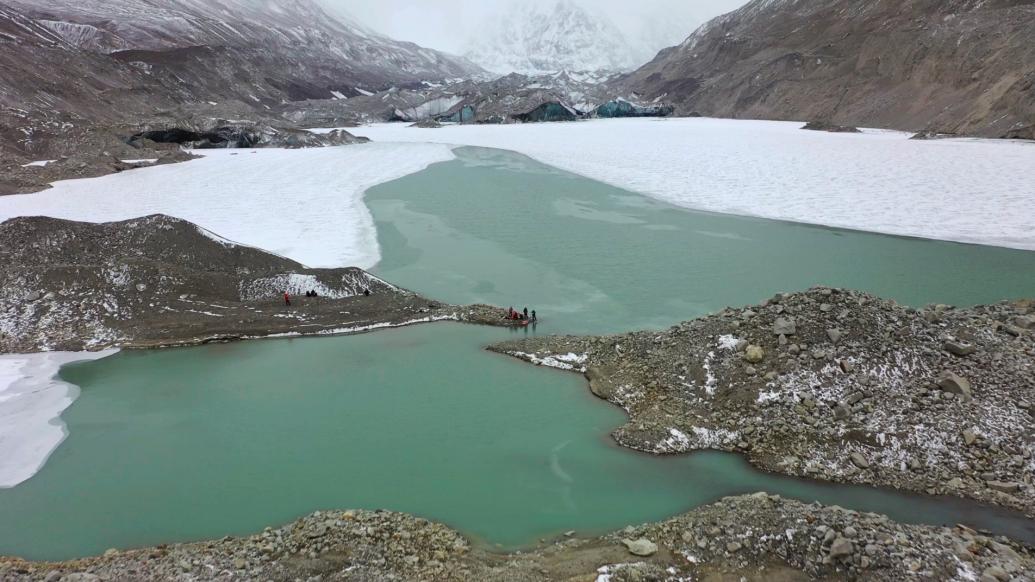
(448, 24)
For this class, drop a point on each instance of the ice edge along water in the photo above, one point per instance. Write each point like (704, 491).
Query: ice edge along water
(304, 204)
(32, 399)
(962, 190)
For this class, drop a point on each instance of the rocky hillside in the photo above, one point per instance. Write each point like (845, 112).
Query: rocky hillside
(954, 66)
(158, 60)
(831, 384)
(160, 281)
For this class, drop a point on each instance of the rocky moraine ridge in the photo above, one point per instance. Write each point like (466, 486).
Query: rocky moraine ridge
(754, 537)
(831, 384)
(161, 281)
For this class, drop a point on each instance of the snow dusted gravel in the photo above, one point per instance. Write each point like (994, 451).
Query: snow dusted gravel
(303, 204)
(751, 537)
(967, 190)
(831, 384)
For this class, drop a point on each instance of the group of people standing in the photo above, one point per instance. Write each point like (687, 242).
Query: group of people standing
(522, 315)
(313, 293)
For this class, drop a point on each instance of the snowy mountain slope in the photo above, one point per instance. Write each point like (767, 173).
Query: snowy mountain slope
(962, 66)
(157, 25)
(543, 38)
(71, 63)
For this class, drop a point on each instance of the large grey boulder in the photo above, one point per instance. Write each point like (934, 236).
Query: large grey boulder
(785, 326)
(641, 547)
(951, 382)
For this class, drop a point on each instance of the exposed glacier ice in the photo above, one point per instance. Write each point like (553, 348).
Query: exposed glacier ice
(966, 190)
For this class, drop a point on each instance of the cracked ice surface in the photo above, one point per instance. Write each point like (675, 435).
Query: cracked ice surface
(965, 190)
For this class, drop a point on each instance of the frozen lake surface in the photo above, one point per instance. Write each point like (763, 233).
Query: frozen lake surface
(306, 205)
(966, 190)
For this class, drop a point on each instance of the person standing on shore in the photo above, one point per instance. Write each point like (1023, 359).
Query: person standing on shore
(287, 299)
(534, 317)
(526, 313)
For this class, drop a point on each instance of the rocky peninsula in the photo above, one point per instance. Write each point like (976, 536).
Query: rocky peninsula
(160, 281)
(831, 384)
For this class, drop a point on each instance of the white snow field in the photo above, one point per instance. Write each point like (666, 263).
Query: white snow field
(305, 204)
(31, 402)
(965, 190)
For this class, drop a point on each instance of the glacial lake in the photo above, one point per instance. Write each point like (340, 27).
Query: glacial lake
(199, 443)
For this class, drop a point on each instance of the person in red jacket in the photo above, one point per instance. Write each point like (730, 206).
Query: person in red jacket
(287, 299)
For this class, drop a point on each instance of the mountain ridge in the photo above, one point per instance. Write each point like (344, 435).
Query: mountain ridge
(550, 38)
(144, 54)
(955, 66)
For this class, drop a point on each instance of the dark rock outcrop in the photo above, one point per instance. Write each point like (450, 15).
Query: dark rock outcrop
(830, 127)
(244, 136)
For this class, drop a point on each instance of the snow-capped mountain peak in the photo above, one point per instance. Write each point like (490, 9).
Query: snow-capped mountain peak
(540, 38)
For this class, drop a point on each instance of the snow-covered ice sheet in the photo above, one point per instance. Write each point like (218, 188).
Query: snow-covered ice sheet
(966, 190)
(31, 402)
(303, 204)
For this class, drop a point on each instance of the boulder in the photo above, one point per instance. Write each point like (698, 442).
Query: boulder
(641, 547)
(959, 349)
(754, 354)
(1025, 321)
(969, 437)
(785, 326)
(835, 335)
(1004, 487)
(950, 382)
(860, 461)
(841, 548)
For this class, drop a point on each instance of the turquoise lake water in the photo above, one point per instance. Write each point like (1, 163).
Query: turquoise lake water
(203, 442)
(500, 228)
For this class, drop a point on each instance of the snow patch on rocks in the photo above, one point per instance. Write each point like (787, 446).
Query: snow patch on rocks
(350, 285)
(571, 361)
